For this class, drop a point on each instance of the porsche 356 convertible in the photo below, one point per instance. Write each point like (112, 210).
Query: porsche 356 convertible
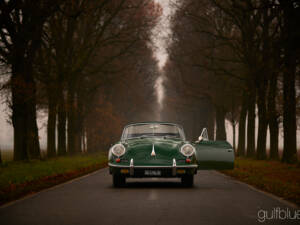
(157, 149)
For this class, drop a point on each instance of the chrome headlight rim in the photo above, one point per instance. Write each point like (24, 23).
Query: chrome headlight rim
(118, 154)
(184, 153)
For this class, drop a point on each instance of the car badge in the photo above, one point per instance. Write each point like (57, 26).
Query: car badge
(153, 152)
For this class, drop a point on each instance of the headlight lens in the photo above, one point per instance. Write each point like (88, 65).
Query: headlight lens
(187, 150)
(118, 150)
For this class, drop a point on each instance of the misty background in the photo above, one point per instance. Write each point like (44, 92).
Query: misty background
(170, 104)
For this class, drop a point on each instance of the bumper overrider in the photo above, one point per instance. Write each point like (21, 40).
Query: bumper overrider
(132, 170)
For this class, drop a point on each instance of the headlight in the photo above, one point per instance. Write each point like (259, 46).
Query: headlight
(118, 150)
(187, 150)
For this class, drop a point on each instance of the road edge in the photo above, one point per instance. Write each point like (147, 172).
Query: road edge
(280, 199)
(31, 195)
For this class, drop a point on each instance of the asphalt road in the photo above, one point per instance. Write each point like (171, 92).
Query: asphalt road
(215, 199)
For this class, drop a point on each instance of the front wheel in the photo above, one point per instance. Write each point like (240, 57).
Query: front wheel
(187, 180)
(119, 180)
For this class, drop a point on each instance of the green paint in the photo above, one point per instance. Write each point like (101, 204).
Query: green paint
(214, 155)
(208, 155)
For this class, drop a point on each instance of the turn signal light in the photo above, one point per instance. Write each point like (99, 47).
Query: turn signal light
(188, 160)
(125, 171)
(118, 160)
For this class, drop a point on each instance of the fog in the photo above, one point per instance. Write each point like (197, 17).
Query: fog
(6, 129)
(160, 37)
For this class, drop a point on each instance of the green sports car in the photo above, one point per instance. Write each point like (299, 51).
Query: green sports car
(158, 149)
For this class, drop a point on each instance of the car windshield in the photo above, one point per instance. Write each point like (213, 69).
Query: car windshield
(153, 130)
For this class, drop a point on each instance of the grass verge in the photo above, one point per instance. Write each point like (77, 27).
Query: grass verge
(274, 177)
(18, 179)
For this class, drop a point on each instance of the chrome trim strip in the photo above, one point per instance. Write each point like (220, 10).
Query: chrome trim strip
(178, 166)
(174, 167)
(174, 162)
(131, 171)
(153, 151)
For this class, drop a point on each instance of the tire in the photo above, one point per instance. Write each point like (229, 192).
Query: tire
(187, 180)
(119, 180)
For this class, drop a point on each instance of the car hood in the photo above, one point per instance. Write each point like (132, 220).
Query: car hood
(165, 150)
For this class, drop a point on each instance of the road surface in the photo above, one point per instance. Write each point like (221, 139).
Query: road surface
(215, 199)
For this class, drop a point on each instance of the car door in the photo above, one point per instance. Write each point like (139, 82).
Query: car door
(216, 155)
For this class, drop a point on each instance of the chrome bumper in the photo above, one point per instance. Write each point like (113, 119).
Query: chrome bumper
(174, 166)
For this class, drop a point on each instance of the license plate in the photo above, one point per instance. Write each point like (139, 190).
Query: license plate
(152, 173)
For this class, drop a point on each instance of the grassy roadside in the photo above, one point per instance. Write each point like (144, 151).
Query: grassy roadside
(274, 177)
(18, 179)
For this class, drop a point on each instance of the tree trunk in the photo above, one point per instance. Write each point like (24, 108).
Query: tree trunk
(211, 129)
(71, 120)
(251, 123)
(242, 126)
(289, 112)
(290, 36)
(78, 143)
(194, 126)
(51, 126)
(83, 140)
(211, 123)
(78, 132)
(61, 128)
(23, 88)
(197, 125)
(220, 121)
(74, 121)
(263, 122)
(18, 119)
(233, 134)
(90, 141)
(263, 83)
(273, 118)
(78, 123)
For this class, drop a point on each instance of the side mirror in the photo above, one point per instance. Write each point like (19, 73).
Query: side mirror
(200, 138)
(203, 136)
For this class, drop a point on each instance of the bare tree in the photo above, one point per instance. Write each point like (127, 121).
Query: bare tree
(85, 43)
(291, 49)
(22, 25)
